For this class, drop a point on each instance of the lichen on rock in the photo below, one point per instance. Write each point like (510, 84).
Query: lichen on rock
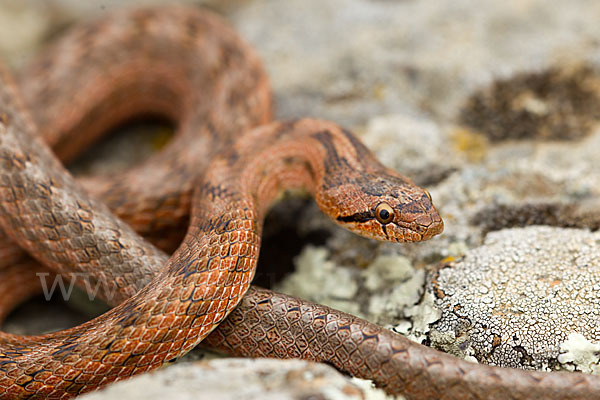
(513, 301)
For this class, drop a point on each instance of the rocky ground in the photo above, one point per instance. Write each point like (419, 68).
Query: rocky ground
(492, 106)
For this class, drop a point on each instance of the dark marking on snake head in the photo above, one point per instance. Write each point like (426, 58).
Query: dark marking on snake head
(362, 216)
(332, 158)
(384, 229)
(374, 188)
(362, 152)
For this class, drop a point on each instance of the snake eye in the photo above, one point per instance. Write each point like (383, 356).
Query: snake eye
(384, 213)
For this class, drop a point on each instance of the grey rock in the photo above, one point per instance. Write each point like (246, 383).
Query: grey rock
(515, 301)
(266, 379)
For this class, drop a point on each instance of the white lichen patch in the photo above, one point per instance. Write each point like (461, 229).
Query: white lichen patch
(514, 300)
(422, 315)
(580, 354)
(371, 392)
(387, 271)
(318, 279)
(393, 285)
(380, 292)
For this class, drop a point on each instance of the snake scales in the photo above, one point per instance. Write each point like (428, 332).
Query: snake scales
(188, 66)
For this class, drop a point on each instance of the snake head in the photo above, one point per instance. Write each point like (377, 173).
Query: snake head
(386, 206)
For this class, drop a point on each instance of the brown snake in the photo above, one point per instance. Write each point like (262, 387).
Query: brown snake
(187, 65)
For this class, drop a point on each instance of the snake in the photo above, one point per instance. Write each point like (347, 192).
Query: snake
(228, 162)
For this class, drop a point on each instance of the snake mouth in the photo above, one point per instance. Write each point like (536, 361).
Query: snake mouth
(421, 229)
(434, 229)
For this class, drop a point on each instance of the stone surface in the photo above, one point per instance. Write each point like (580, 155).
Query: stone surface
(379, 292)
(516, 300)
(237, 379)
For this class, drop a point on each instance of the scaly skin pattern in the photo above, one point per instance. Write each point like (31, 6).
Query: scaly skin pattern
(46, 213)
(212, 269)
(187, 65)
(174, 62)
(362, 349)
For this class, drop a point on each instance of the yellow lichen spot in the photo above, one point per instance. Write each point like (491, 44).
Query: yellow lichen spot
(447, 260)
(555, 282)
(471, 143)
(379, 91)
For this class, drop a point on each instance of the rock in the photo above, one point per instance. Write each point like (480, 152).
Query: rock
(349, 60)
(237, 379)
(318, 278)
(379, 292)
(517, 300)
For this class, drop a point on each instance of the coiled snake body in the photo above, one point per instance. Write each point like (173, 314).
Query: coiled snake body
(227, 163)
